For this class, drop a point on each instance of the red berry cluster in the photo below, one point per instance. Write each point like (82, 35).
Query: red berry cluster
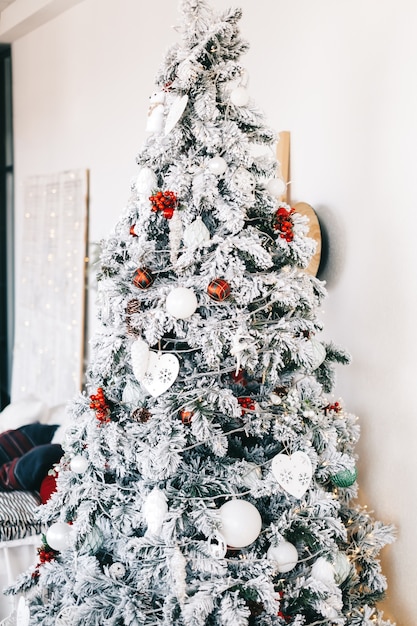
(46, 555)
(335, 407)
(165, 201)
(247, 404)
(99, 404)
(284, 223)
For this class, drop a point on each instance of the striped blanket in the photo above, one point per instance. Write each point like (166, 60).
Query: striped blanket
(17, 515)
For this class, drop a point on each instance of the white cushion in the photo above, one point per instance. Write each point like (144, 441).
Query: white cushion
(23, 412)
(59, 415)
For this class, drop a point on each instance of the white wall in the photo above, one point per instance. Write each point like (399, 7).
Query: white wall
(341, 77)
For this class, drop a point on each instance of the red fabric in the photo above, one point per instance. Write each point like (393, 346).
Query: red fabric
(48, 487)
(8, 480)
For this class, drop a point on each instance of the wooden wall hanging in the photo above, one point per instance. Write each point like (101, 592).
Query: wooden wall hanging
(283, 156)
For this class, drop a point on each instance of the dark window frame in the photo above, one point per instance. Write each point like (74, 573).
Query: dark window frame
(6, 225)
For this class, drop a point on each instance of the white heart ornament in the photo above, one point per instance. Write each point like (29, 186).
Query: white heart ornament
(139, 352)
(161, 373)
(22, 613)
(293, 472)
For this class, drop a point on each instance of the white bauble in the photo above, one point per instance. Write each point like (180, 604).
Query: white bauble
(318, 352)
(217, 546)
(275, 398)
(79, 464)
(154, 510)
(146, 182)
(252, 476)
(244, 181)
(285, 555)
(139, 352)
(93, 541)
(239, 96)
(241, 523)
(117, 570)
(276, 187)
(181, 303)
(323, 571)
(67, 616)
(196, 234)
(58, 536)
(176, 109)
(178, 566)
(342, 567)
(22, 613)
(217, 165)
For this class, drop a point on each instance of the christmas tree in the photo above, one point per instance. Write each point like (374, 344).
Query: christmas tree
(209, 475)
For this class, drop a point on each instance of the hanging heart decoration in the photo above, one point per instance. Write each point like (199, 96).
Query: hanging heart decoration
(139, 353)
(293, 472)
(161, 373)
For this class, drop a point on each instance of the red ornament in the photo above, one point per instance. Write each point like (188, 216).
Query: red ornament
(186, 417)
(165, 201)
(101, 407)
(239, 378)
(132, 230)
(143, 278)
(219, 289)
(247, 404)
(284, 224)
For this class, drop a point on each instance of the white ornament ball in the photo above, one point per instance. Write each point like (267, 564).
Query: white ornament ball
(323, 571)
(342, 567)
(217, 165)
(275, 398)
(285, 555)
(181, 303)
(79, 464)
(241, 523)
(239, 96)
(276, 187)
(117, 570)
(58, 536)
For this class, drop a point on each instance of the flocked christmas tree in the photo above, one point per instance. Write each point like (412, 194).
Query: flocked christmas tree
(208, 478)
